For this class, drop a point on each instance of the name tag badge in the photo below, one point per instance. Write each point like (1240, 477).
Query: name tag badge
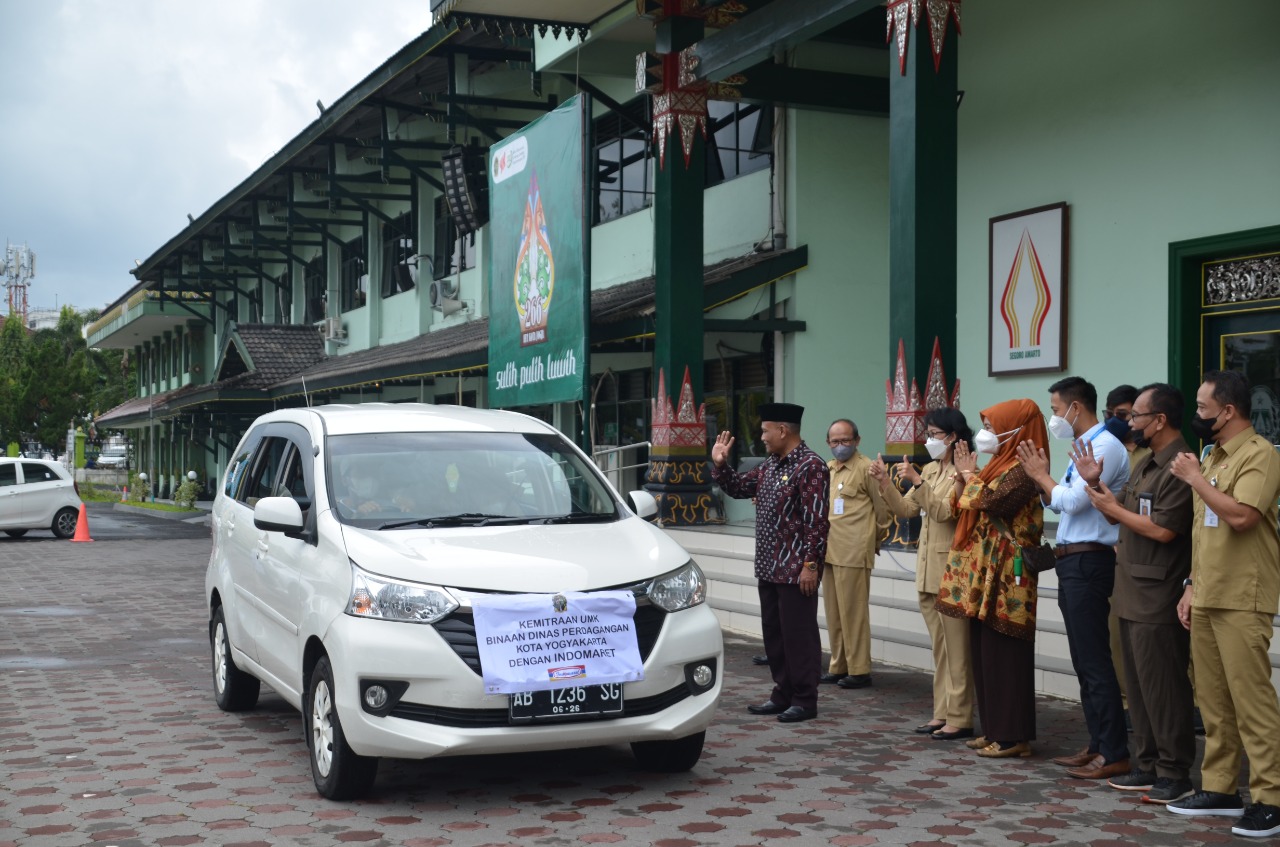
(837, 507)
(1144, 503)
(1210, 517)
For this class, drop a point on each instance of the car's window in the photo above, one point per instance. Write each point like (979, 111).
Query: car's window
(294, 481)
(392, 477)
(32, 473)
(8, 474)
(236, 468)
(263, 475)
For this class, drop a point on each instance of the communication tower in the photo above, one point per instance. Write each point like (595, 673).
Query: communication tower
(17, 267)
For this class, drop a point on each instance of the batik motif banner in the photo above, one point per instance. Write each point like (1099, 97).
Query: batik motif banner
(537, 268)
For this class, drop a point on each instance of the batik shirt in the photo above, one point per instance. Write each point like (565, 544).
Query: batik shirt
(791, 494)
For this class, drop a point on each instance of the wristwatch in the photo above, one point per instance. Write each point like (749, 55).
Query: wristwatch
(1186, 583)
(811, 566)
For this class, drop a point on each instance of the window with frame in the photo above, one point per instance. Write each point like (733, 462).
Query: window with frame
(266, 468)
(624, 162)
(399, 252)
(354, 280)
(453, 253)
(8, 474)
(734, 389)
(313, 284)
(739, 139)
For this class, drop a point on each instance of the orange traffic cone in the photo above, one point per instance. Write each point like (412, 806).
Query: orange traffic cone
(82, 526)
(124, 494)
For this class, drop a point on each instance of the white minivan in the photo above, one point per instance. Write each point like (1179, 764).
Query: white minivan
(357, 546)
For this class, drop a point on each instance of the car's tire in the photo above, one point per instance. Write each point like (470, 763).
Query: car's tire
(15, 533)
(233, 689)
(669, 756)
(338, 772)
(64, 523)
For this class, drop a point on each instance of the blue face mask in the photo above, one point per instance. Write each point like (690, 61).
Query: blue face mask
(842, 452)
(1117, 427)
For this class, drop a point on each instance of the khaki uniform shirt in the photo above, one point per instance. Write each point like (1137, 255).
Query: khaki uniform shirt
(1149, 573)
(1136, 455)
(856, 512)
(1239, 570)
(932, 500)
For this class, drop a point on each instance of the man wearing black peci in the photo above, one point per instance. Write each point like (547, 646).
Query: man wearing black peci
(791, 490)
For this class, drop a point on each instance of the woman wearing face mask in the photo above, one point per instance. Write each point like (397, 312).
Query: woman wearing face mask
(983, 581)
(931, 495)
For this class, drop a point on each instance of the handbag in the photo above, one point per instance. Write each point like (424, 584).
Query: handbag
(1036, 558)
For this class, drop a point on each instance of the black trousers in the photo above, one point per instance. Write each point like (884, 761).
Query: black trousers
(1004, 680)
(1085, 581)
(791, 641)
(1155, 665)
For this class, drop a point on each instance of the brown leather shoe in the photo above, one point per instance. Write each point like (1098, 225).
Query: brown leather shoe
(1099, 769)
(977, 743)
(1077, 760)
(994, 751)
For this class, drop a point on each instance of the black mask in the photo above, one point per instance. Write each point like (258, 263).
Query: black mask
(1139, 439)
(1204, 428)
(1119, 428)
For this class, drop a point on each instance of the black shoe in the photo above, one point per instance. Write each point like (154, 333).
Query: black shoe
(759, 660)
(1168, 790)
(1208, 803)
(927, 728)
(1259, 821)
(766, 708)
(966, 732)
(831, 678)
(796, 713)
(1135, 780)
(862, 680)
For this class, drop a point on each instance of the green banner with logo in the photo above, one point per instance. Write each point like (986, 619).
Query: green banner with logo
(538, 284)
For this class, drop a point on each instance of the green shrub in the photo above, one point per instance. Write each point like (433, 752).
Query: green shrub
(138, 490)
(187, 494)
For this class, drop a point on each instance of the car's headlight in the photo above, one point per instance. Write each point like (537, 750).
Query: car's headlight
(391, 600)
(679, 589)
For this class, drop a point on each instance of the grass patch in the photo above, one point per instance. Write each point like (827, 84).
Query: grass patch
(158, 507)
(91, 493)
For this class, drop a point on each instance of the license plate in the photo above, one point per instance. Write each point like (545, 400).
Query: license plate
(567, 703)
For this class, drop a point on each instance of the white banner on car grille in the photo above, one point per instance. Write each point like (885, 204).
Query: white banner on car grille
(539, 642)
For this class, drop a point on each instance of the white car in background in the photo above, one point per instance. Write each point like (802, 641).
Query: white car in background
(112, 458)
(37, 494)
(355, 548)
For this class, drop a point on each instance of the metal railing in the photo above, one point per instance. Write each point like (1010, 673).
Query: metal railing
(610, 462)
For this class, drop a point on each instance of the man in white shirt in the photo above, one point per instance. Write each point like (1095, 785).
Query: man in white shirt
(1086, 571)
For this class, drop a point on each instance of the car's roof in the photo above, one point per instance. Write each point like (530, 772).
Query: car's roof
(15, 459)
(355, 418)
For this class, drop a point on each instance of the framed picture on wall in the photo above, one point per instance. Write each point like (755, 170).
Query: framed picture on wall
(1027, 307)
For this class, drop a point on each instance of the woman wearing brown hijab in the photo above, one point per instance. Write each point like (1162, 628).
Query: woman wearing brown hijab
(980, 583)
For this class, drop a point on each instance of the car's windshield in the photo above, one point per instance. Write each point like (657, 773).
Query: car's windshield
(387, 480)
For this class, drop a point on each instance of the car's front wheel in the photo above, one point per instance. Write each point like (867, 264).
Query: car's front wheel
(64, 523)
(669, 756)
(338, 772)
(233, 689)
(15, 533)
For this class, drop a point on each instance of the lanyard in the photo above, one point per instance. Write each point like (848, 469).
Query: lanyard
(1066, 480)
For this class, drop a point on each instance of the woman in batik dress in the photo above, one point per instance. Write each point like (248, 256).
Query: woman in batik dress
(1000, 510)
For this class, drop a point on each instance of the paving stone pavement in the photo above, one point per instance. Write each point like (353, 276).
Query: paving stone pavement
(109, 736)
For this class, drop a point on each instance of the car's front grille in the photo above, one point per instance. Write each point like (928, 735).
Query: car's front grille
(480, 718)
(459, 632)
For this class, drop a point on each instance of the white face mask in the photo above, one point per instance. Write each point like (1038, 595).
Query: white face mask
(362, 486)
(1061, 427)
(989, 442)
(937, 447)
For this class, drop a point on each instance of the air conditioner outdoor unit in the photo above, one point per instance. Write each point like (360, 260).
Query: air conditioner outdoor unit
(444, 297)
(332, 329)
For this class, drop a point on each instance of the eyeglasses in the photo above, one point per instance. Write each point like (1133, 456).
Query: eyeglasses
(935, 433)
(838, 442)
(1122, 414)
(1137, 415)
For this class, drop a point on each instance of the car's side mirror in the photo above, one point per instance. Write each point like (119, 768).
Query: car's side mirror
(278, 514)
(645, 504)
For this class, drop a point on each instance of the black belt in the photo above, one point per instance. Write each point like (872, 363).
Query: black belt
(1064, 550)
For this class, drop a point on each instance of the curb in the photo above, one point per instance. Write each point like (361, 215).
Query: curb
(158, 513)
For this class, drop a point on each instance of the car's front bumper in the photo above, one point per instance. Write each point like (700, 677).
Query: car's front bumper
(445, 712)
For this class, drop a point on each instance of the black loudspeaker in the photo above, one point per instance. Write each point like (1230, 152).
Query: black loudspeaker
(466, 187)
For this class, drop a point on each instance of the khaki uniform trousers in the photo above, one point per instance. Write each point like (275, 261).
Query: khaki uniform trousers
(1237, 701)
(952, 673)
(846, 595)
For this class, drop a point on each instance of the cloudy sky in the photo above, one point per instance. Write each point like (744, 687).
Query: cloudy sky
(120, 117)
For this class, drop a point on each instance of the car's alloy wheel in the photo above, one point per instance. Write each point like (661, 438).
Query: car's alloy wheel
(233, 689)
(339, 773)
(64, 523)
